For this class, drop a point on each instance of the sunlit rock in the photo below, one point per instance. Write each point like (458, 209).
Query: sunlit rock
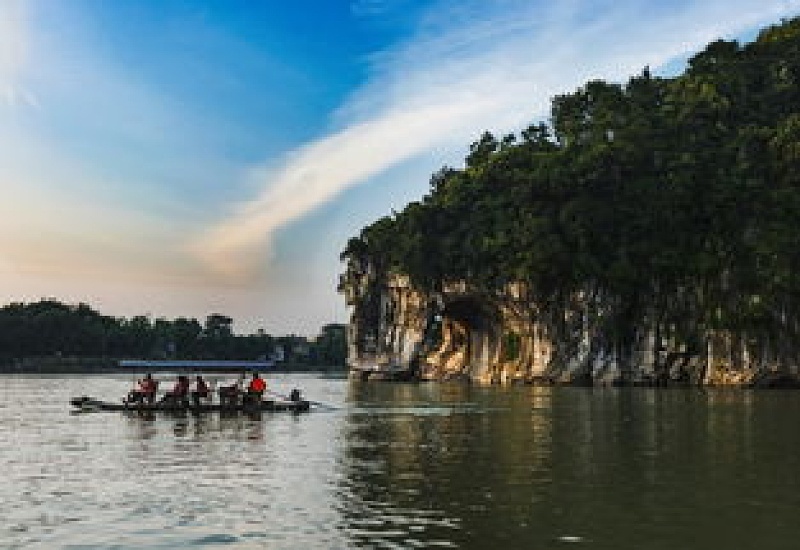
(399, 332)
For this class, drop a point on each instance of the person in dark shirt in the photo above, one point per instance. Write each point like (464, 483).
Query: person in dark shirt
(229, 396)
(201, 390)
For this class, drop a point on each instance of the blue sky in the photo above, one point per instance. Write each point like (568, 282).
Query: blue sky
(177, 157)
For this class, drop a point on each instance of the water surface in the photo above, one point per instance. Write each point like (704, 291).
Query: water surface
(403, 466)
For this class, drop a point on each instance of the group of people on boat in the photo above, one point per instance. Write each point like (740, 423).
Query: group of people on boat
(183, 391)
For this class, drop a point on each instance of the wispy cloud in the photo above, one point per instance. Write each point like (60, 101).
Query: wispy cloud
(13, 54)
(471, 66)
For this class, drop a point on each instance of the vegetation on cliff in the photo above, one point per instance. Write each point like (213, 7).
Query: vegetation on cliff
(668, 202)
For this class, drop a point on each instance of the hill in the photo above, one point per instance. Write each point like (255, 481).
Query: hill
(663, 213)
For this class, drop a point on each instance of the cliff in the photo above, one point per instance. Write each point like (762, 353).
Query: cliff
(648, 234)
(397, 332)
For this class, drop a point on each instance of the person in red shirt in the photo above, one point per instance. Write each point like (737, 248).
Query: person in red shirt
(181, 386)
(179, 393)
(146, 392)
(148, 387)
(256, 389)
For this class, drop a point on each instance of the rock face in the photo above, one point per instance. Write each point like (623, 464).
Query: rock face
(399, 332)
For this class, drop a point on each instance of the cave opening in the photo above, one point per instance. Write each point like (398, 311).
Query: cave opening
(463, 318)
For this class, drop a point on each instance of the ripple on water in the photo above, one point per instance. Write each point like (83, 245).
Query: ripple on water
(215, 539)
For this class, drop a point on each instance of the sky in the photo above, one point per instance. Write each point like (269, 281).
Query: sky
(187, 157)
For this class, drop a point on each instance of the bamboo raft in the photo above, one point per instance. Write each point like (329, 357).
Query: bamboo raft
(86, 404)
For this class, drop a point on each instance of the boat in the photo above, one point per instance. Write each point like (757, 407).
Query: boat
(87, 404)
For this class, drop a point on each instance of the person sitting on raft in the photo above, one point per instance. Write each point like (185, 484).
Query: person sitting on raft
(256, 389)
(201, 390)
(229, 395)
(146, 392)
(179, 392)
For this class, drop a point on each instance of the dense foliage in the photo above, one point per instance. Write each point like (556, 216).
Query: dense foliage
(50, 328)
(670, 197)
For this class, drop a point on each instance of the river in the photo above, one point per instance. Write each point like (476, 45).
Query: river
(403, 466)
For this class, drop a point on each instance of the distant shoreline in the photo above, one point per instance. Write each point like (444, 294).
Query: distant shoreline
(50, 365)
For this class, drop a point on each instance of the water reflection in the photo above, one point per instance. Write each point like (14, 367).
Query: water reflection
(403, 466)
(198, 427)
(438, 461)
(533, 467)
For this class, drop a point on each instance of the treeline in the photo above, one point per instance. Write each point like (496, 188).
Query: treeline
(677, 198)
(49, 328)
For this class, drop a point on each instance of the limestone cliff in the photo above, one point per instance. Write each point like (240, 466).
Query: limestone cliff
(399, 332)
(649, 233)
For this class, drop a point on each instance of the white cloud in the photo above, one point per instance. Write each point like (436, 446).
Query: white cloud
(13, 54)
(472, 66)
